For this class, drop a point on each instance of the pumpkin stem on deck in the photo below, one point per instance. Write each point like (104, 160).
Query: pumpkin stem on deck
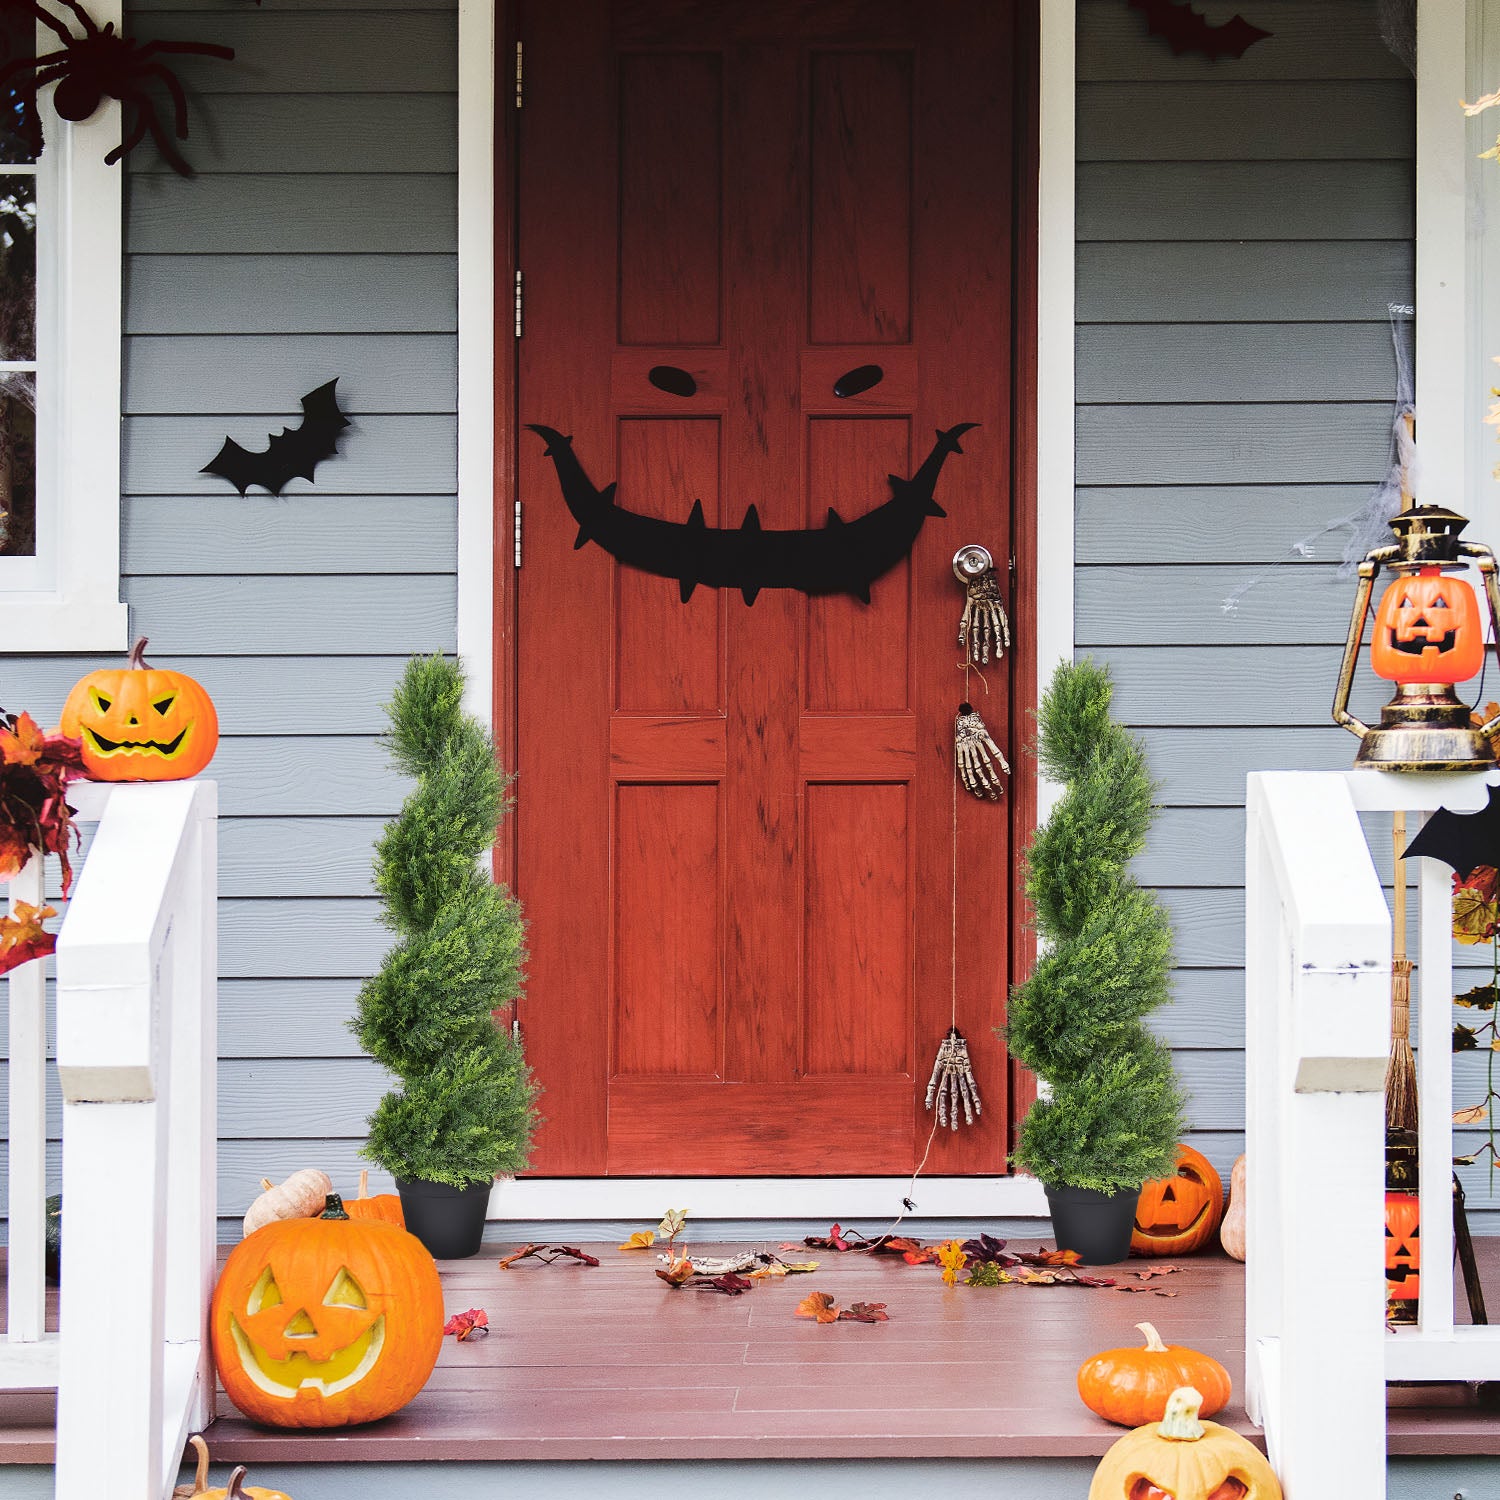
(1154, 1344)
(1181, 1423)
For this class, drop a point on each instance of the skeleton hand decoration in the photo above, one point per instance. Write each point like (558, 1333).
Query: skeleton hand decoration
(985, 623)
(976, 754)
(952, 1083)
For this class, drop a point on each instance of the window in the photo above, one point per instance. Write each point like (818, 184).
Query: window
(60, 278)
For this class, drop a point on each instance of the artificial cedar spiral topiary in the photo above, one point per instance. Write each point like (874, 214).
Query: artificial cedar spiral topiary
(1115, 1112)
(465, 1110)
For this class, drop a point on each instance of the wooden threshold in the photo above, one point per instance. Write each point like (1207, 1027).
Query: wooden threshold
(608, 1362)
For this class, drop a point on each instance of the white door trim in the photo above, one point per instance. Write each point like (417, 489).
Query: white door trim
(743, 1198)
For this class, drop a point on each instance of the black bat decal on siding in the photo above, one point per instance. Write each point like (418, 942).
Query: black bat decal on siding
(290, 454)
(841, 557)
(1184, 30)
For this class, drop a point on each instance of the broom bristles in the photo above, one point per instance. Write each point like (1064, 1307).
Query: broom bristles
(1401, 1067)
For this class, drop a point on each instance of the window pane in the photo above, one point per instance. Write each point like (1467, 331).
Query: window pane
(17, 465)
(17, 268)
(20, 129)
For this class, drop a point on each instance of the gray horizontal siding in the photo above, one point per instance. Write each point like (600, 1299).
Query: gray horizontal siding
(317, 241)
(1243, 227)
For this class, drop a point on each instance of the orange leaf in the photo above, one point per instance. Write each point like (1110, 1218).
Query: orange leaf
(952, 1259)
(15, 850)
(24, 745)
(677, 1271)
(22, 936)
(642, 1239)
(1058, 1257)
(819, 1305)
(508, 1261)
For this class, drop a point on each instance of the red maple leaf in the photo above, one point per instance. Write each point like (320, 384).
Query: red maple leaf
(468, 1325)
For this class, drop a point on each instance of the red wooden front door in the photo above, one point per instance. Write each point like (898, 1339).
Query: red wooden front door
(736, 821)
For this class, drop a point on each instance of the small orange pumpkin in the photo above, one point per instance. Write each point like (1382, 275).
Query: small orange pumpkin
(1403, 1256)
(322, 1322)
(1177, 1215)
(236, 1489)
(1428, 629)
(383, 1206)
(1131, 1386)
(141, 723)
(1181, 1458)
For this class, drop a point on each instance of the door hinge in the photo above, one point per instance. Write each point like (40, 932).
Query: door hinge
(515, 1031)
(520, 75)
(520, 304)
(517, 533)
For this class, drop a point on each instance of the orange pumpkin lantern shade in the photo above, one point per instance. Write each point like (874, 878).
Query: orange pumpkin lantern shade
(1177, 1215)
(1428, 629)
(323, 1322)
(141, 723)
(1403, 1253)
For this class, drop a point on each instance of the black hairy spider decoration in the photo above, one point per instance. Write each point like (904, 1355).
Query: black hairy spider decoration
(103, 64)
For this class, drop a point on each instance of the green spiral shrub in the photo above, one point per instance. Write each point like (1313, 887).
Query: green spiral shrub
(1115, 1111)
(466, 1106)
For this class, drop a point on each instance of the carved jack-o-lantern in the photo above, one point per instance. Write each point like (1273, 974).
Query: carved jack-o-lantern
(322, 1322)
(1403, 1250)
(140, 723)
(1177, 1215)
(1428, 629)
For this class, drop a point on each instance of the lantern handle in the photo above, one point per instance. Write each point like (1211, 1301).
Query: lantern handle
(1341, 715)
(1485, 559)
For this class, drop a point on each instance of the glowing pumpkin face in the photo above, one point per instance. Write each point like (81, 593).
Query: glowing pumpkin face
(1177, 1215)
(1428, 629)
(141, 724)
(323, 1322)
(1403, 1251)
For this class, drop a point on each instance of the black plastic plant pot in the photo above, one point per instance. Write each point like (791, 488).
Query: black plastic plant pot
(448, 1220)
(1097, 1225)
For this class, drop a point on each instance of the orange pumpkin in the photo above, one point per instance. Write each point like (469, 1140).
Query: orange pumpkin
(322, 1322)
(141, 723)
(1428, 629)
(1131, 1386)
(1177, 1215)
(1403, 1256)
(383, 1206)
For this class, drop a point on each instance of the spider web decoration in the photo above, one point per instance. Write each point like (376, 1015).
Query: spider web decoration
(1185, 30)
(99, 63)
(20, 125)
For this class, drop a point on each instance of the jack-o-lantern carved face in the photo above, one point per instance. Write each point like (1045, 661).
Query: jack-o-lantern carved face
(1428, 629)
(1403, 1248)
(1177, 1215)
(323, 1322)
(141, 724)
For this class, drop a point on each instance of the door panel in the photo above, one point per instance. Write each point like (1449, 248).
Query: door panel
(738, 839)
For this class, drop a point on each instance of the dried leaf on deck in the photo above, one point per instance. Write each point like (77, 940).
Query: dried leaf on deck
(677, 1272)
(1054, 1258)
(863, 1312)
(730, 1283)
(833, 1240)
(819, 1305)
(987, 1247)
(920, 1257)
(1148, 1272)
(952, 1259)
(672, 1223)
(547, 1254)
(642, 1239)
(468, 1325)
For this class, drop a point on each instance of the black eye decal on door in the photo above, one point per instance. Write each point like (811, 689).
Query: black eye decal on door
(672, 380)
(857, 381)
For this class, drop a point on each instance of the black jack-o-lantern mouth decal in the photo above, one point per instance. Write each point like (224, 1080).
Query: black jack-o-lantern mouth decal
(840, 557)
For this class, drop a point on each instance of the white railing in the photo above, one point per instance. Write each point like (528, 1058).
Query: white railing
(1318, 974)
(136, 1059)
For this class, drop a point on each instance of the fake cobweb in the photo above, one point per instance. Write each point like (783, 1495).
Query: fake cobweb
(1366, 526)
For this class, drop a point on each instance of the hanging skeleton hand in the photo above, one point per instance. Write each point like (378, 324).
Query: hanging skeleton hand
(985, 623)
(952, 1083)
(976, 754)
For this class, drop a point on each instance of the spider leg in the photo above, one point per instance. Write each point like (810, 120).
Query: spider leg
(174, 157)
(179, 99)
(54, 61)
(84, 19)
(197, 49)
(52, 23)
(131, 140)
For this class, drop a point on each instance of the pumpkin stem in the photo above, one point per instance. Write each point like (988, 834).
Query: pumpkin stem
(234, 1492)
(1180, 1423)
(200, 1479)
(1154, 1344)
(137, 659)
(364, 1183)
(333, 1208)
(266, 1184)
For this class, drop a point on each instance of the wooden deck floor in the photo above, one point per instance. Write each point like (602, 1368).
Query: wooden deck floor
(608, 1362)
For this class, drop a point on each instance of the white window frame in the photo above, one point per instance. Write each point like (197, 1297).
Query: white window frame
(67, 597)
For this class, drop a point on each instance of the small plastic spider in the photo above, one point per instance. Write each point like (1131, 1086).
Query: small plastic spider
(102, 64)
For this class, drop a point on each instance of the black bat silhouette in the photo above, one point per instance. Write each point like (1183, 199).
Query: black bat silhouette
(1463, 840)
(292, 453)
(841, 557)
(1184, 30)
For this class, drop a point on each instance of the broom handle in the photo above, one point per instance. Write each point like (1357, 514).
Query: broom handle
(1398, 926)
